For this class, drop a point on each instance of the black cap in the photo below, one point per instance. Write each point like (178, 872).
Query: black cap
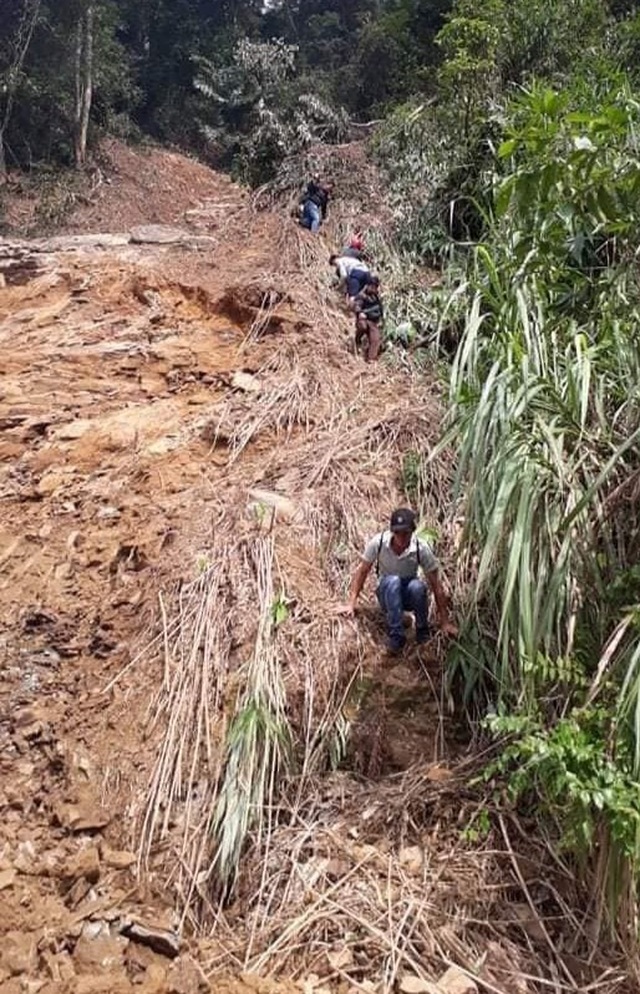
(403, 520)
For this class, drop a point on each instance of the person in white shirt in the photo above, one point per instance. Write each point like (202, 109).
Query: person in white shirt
(353, 275)
(398, 554)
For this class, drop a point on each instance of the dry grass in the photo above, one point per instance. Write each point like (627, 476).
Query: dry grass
(290, 867)
(361, 887)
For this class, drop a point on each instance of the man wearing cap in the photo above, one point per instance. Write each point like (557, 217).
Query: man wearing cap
(398, 554)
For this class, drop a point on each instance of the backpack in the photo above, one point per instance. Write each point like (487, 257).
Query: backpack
(373, 311)
(380, 550)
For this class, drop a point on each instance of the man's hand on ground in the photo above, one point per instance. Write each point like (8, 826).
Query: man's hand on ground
(347, 609)
(449, 628)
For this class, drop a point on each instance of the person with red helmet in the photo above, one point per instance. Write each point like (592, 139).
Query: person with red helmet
(355, 249)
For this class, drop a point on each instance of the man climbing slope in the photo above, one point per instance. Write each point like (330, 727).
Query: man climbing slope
(315, 203)
(398, 554)
(353, 275)
(369, 314)
(355, 249)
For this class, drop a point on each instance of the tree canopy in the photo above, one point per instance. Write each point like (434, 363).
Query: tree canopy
(148, 57)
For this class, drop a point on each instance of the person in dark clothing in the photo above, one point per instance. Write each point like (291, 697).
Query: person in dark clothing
(315, 203)
(369, 315)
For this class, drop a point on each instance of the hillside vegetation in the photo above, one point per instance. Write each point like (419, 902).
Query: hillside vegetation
(499, 190)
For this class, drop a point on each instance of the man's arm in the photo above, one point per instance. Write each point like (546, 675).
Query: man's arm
(341, 270)
(442, 603)
(358, 303)
(357, 583)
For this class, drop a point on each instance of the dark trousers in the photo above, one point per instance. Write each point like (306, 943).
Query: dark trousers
(356, 281)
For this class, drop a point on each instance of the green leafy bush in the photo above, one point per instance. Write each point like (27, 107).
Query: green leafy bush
(545, 419)
(567, 774)
(253, 115)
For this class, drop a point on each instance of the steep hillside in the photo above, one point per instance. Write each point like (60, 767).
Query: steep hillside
(192, 457)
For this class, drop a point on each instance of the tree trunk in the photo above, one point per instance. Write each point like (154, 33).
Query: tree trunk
(14, 71)
(84, 83)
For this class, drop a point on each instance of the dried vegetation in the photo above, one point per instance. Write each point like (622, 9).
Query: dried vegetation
(296, 834)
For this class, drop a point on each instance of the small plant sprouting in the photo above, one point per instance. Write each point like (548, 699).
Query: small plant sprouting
(410, 479)
(478, 828)
(279, 609)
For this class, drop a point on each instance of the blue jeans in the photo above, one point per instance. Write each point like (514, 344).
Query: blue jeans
(357, 281)
(397, 594)
(311, 216)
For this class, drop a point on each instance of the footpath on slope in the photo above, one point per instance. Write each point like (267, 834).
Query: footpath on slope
(188, 441)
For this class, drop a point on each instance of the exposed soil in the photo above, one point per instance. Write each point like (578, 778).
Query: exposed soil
(112, 361)
(154, 393)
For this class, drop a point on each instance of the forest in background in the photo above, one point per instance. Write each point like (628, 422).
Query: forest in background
(204, 74)
(508, 133)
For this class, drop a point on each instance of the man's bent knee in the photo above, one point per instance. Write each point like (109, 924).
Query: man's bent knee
(417, 588)
(391, 582)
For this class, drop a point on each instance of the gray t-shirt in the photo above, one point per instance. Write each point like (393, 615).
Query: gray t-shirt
(345, 266)
(417, 554)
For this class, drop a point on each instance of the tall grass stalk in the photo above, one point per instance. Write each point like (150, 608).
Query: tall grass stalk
(545, 395)
(259, 743)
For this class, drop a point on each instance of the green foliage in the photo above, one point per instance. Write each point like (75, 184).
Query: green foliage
(567, 771)
(363, 56)
(279, 609)
(577, 211)
(253, 116)
(366, 56)
(438, 153)
(411, 476)
(545, 419)
(58, 193)
(42, 124)
(417, 155)
(478, 828)
(257, 747)
(471, 41)
(545, 411)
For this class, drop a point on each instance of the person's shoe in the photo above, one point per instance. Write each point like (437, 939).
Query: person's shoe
(395, 645)
(422, 636)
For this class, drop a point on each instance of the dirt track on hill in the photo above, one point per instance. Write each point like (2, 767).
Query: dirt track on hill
(116, 361)
(167, 401)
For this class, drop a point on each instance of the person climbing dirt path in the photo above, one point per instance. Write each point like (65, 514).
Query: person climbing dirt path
(209, 778)
(398, 555)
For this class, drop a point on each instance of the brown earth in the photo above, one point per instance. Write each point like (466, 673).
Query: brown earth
(112, 361)
(167, 400)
